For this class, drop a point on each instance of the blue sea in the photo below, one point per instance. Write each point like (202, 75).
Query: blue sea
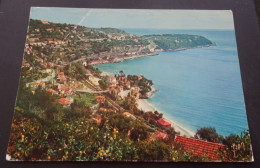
(197, 87)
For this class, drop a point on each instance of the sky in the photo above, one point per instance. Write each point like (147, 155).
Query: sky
(137, 18)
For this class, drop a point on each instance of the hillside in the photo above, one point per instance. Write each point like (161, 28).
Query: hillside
(177, 41)
(68, 42)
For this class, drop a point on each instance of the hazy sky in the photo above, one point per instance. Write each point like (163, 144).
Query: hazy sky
(136, 18)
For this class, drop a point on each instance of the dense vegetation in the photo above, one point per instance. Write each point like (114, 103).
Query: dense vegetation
(177, 41)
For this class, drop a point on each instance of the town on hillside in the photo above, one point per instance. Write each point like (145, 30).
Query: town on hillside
(67, 109)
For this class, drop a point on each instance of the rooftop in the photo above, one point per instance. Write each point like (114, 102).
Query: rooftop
(200, 147)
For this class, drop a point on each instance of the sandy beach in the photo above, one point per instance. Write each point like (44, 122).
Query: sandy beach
(144, 105)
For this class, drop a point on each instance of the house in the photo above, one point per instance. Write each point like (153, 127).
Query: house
(62, 79)
(139, 77)
(42, 84)
(66, 90)
(121, 88)
(127, 114)
(198, 147)
(49, 29)
(100, 99)
(40, 60)
(134, 92)
(112, 84)
(164, 123)
(64, 101)
(26, 64)
(112, 79)
(50, 64)
(102, 109)
(36, 84)
(48, 70)
(52, 91)
(61, 73)
(42, 70)
(128, 85)
(84, 63)
(45, 22)
(113, 91)
(97, 119)
(162, 135)
(94, 80)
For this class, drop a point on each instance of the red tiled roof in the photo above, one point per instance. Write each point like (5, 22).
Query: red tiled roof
(112, 89)
(61, 73)
(51, 91)
(63, 79)
(160, 135)
(64, 101)
(100, 99)
(42, 83)
(164, 123)
(127, 114)
(102, 109)
(199, 147)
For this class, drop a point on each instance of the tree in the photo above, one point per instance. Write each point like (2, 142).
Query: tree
(43, 101)
(238, 147)
(82, 104)
(139, 133)
(124, 124)
(208, 134)
(103, 84)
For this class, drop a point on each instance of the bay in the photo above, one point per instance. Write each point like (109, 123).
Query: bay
(197, 87)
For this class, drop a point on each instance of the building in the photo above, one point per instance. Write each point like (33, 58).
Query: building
(49, 29)
(100, 99)
(61, 73)
(128, 85)
(113, 91)
(198, 147)
(94, 80)
(52, 91)
(98, 119)
(45, 22)
(127, 114)
(50, 64)
(139, 77)
(64, 101)
(84, 63)
(164, 123)
(134, 92)
(162, 135)
(121, 88)
(36, 84)
(112, 79)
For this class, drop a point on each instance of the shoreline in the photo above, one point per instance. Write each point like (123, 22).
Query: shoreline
(155, 53)
(144, 105)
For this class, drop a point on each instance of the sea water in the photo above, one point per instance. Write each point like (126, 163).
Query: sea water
(198, 87)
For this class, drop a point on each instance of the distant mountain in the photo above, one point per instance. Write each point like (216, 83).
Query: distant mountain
(177, 41)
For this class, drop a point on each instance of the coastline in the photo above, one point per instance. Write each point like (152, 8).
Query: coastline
(144, 105)
(134, 56)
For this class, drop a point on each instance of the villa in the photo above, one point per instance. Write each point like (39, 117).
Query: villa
(164, 123)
